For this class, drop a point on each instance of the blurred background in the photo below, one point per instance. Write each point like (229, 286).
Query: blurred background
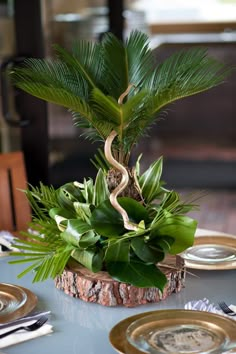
(196, 136)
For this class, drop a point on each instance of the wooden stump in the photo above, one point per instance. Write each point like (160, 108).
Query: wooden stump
(81, 283)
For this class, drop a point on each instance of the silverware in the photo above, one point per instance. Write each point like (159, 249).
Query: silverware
(226, 309)
(36, 325)
(31, 316)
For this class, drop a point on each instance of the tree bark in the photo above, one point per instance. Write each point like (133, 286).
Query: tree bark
(81, 283)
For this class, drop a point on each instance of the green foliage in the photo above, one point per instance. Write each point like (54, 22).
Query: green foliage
(78, 221)
(89, 81)
(112, 86)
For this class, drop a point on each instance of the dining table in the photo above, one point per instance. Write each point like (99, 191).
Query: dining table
(83, 328)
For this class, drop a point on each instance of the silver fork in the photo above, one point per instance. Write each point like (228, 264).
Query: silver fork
(226, 309)
(32, 327)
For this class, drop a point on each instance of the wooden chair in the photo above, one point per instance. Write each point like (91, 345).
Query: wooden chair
(15, 212)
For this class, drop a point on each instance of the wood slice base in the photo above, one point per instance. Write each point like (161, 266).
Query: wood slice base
(81, 283)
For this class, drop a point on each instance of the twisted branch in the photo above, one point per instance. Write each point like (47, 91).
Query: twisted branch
(124, 181)
(125, 176)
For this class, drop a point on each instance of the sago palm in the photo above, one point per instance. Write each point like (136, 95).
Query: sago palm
(114, 92)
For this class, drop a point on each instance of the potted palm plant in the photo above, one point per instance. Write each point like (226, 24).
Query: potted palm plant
(125, 222)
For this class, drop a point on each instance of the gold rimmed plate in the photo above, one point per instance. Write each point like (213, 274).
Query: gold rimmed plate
(15, 302)
(174, 331)
(211, 253)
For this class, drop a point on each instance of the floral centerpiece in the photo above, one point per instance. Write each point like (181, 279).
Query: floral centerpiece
(125, 221)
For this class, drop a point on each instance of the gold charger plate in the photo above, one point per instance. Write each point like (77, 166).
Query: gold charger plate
(173, 326)
(211, 253)
(15, 302)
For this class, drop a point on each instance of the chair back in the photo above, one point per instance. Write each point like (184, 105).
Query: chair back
(15, 211)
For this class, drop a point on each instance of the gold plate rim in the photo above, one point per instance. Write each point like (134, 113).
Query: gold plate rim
(27, 306)
(117, 335)
(218, 240)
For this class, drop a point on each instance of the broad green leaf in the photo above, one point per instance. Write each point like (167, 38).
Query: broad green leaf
(90, 258)
(135, 210)
(181, 228)
(68, 194)
(101, 192)
(83, 211)
(138, 274)
(60, 216)
(74, 230)
(117, 251)
(54, 212)
(88, 190)
(146, 252)
(150, 181)
(89, 239)
(164, 243)
(108, 222)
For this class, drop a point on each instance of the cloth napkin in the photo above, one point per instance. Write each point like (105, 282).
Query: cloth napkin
(6, 243)
(206, 305)
(22, 335)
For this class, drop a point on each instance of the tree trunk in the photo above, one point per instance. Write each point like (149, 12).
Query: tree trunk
(81, 283)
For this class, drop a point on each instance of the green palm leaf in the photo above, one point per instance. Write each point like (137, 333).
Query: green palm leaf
(184, 74)
(90, 80)
(125, 63)
(48, 254)
(84, 62)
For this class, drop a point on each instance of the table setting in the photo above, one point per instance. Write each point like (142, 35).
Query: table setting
(79, 327)
(19, 321)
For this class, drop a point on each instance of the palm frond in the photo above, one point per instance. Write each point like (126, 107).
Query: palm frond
(50, 73)
(84, 62)
(115, 66)
(107, 108)
(44, 248)
(90, 80)
(41, 199)
(96, 132)
(57, 96)
(125, 63)
(184, 74)
(126, 117)
(140, 58)
(49, 263)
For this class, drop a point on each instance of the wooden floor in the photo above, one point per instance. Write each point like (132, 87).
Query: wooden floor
(217, 210)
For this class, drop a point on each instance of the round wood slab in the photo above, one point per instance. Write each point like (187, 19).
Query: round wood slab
(83, 284)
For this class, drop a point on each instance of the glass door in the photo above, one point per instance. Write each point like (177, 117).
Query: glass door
(53, 149)
(9, 134)
(69, 153)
